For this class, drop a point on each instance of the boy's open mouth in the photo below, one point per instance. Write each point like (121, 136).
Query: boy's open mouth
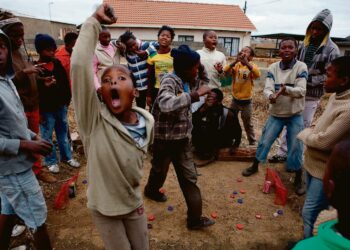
(115, 98)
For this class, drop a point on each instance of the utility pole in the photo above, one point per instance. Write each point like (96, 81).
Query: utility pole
(50, 3)
(245, 7)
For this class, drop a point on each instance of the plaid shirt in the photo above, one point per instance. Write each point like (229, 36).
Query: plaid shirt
(172, 110)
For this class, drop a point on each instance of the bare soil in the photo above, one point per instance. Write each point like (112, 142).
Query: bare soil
(72, 228)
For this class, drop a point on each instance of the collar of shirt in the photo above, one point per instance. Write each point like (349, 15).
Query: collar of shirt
(285, 66)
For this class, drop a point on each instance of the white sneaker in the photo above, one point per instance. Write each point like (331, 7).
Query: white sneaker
(17, 230)
(73, 163)
(22, 247)
(54, 168)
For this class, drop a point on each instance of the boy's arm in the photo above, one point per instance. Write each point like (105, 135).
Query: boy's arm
(299, 89)
(9, 146)
(326, 140)
(86, 104)
(254, 71)
(95, 69)
(269, 84)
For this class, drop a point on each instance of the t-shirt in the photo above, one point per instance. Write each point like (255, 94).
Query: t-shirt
(163, 64)
(138, 130)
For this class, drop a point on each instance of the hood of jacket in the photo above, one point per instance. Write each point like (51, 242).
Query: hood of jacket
(9, 69)
(326, 18)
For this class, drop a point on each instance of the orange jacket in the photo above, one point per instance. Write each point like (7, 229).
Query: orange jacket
(64, 57)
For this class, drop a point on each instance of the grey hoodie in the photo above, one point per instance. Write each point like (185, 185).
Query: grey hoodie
(13, 124)
(326, 52)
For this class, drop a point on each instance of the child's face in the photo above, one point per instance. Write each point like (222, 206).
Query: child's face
(246, 53)
(16, 34)
(164, 38)
(3, 55)
(190, 75)
(318, 30)
(210, 41)
(104, 38)
(211, 99)
(47, 54)
(117, 89)
(334, 83)
(287, 51)
(131, 45)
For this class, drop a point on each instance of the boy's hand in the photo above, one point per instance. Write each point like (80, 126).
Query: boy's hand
(149, 101)
(32, 69)
(142, 54)
(105, 14)
(121, 47)
(39, 146)
(273, 98)
(218, 67)
(244, 60)
(203, 90)
(282, 90)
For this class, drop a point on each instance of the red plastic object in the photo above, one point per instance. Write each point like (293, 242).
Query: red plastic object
(281, 193)
(232, 196)
(242, 191)
(258, 216)
(239, 226)
(214, 215)
(162, 190)
(239, 180)
(151, 217)
(62, 197)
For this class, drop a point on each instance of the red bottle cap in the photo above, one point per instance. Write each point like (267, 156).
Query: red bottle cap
(151, 217)
(239, 226)
(162, 190)
(242, 191)
(214, 215)
(258, 216)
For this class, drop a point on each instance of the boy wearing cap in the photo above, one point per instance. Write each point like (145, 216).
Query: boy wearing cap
(54, 95)
(20, 192)
(173, 125)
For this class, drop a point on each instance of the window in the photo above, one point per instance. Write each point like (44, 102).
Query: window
(186, 38)
(231, 44)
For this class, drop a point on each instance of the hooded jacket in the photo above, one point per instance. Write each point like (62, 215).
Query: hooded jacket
(13, 124)
(326, 52)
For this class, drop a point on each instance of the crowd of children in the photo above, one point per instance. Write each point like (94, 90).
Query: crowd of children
(181, 88)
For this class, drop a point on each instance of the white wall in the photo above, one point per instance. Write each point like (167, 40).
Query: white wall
(151, 34)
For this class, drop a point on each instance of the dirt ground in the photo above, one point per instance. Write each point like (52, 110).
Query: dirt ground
(72, 228)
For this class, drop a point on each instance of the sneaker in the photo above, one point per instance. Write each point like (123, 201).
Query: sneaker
(203, 162)
(203, 222)
(17, 230)
(249, 171)
(22, 247)
(159, 197)
(54, 168)
(73, 163)
(278, 159)
(46, 177)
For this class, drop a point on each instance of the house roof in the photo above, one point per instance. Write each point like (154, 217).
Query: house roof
(296, 36)
(153, 13)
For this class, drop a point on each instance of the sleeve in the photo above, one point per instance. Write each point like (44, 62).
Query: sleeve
(299, 89)
(150, 61)
(224, 63)
(95, 69)
(269, 83)
(9, 146)
(255, 72)
(85, 101)
(32, 134)
(325, 140)
(150, 49)
(169, 101)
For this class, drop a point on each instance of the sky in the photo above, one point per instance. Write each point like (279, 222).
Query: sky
(269, 16)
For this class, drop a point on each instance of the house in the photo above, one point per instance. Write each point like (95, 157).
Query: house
(190, 20)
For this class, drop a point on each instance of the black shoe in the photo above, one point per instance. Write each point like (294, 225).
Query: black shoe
(299, 185)
(291, 245)
(203, 222)
(157, 196)
(277, 159)
(251, 170)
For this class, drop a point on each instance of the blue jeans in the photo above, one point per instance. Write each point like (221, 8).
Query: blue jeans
(272, 130)
(315, 202)
(21, 195)
(57, 121)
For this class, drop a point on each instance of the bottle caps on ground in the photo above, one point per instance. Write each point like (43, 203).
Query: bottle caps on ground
(240, 201)
(258, 216)
(242, 191)
(239, 226)
(151, 217)
(214, 215)
(162, 190)
(170, 208)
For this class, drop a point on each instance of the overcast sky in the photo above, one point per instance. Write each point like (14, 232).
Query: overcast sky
(269, 16)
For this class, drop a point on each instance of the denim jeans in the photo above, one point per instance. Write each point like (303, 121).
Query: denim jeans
(270, 133)
(57, 121)
(315, 202)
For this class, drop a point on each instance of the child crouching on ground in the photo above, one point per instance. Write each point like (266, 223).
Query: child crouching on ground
(285, 88)
(20, 192)
(115, 137)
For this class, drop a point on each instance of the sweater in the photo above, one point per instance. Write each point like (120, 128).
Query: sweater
(295, 79)
(53, 97)
(331, 128)
(326, 239)
(209, 58)
(325, 53)
(242, 80)
(114, 159)
(25, 83)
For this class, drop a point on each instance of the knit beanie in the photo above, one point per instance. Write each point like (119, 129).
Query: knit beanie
(184, 58)
(44, 41)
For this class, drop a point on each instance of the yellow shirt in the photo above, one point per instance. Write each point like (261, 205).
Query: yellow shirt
(242, 80)
(163, 64)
